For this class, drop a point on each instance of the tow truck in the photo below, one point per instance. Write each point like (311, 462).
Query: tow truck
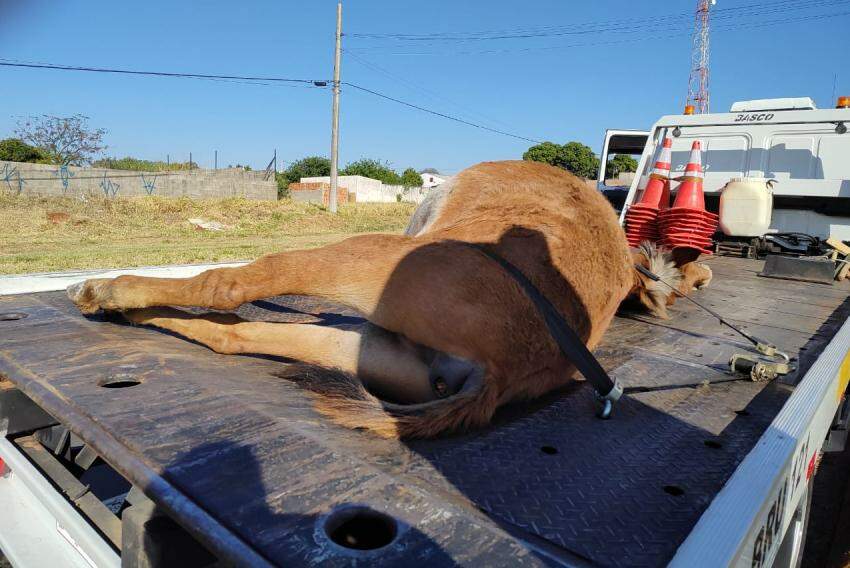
(127, 446)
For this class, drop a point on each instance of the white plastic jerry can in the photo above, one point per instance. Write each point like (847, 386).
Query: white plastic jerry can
(746, 207)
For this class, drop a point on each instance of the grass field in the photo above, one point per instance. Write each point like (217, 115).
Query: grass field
(41, 234)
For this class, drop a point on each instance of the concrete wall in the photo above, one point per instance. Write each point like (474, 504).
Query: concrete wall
(389, 194)
(623, 180)
(319, 192)
(41, 179)
(358, 185)
(368, 190)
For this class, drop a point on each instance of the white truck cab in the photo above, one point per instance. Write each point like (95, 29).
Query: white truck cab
(805, 149)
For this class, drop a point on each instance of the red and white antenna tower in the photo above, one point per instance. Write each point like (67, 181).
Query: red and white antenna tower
(698, 97)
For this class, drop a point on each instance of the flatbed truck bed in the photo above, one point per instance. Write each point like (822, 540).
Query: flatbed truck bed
(238, 458)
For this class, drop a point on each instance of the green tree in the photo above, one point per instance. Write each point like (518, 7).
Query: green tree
(409, 178)
(572, 156)
(580, 160)
(16, 150)
(311, 166)
(620, 163)
(546, 152)
(66, 140)
(374, 169)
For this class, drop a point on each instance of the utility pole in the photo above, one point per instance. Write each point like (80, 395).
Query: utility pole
(335, 120)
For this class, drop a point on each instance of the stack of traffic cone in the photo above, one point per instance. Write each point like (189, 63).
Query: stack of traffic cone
(687, 224)
(642, 218)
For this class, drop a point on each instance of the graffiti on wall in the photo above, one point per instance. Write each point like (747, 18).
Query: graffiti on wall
(149, 185)
(64, 174)
(11, 174)
(109, 187)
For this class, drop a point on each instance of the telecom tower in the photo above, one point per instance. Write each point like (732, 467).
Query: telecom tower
(698, 97)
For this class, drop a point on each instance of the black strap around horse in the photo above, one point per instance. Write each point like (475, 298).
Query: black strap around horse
(570, 344)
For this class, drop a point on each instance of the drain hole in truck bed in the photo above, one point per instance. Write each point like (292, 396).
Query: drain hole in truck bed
(361, 528)
(549, 450)
(674, 490)
(12, 316)
(119, 381)
(713, 444)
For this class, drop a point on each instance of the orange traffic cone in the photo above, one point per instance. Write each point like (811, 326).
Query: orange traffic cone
(687, 224)
(642, 217)
(690, 194)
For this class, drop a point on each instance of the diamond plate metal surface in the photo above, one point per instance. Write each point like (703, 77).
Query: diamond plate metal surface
(547, 483)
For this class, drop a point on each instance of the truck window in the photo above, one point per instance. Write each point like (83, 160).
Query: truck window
(622, 151)
(620, 169)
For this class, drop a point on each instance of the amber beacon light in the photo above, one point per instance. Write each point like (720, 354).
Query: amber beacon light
(843, 102)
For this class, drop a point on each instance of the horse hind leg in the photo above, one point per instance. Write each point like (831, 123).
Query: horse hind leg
(385, 362)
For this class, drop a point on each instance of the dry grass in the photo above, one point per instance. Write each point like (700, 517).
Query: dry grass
(41, 234)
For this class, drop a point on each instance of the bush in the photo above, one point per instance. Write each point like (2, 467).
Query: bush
(319, 166)
(374, 169)
(311, 166)
(410, 178)
(282, 185)
(16, 150)
(137, 165)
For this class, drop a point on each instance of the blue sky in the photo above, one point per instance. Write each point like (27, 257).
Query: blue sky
(548, 92)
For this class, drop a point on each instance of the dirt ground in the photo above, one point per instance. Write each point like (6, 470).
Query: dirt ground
(46, 234)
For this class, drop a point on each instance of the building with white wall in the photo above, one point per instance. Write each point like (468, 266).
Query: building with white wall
(368, 190)
(433, 180)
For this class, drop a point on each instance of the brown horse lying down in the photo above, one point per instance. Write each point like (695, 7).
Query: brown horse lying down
(451, 335)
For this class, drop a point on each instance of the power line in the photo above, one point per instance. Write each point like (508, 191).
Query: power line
(312, 82)
(503, 33)
(631, 28)
(625, 27)
(600, 26)
(422, 90)
(654, 36)
(268, 79)
(440, 114)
